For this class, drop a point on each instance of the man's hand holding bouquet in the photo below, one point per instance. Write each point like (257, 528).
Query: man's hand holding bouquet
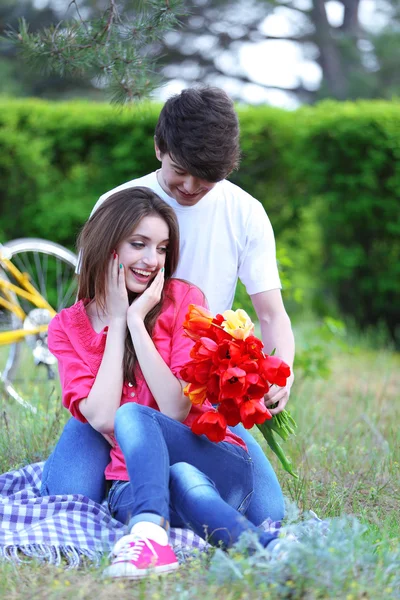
(230, 369)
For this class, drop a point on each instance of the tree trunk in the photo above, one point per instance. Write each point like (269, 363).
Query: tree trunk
(351, 24)
(329, 59)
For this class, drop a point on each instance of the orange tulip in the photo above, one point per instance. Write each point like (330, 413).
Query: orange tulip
(196, 392)
(198, 321)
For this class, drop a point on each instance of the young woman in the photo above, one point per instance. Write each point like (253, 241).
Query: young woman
(120, 349)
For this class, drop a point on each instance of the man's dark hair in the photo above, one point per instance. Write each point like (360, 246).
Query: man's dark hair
(199, 129)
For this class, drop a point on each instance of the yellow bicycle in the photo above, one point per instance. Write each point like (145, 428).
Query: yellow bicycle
(37, 280)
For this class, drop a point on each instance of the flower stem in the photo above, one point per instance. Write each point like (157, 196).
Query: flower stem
(267, 429)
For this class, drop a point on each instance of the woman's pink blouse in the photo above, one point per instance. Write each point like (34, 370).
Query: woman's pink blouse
(79, 351)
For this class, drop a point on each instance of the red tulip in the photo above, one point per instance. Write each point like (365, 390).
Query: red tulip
(257, 386)
(197, 372)
(230, 409)
(212, 424)
(213, 389)
(218, 319)
(203, 349)
(233, 383)
(218, 334)
(254, 411)
(230, 351)
(274, 370)
(253, 346)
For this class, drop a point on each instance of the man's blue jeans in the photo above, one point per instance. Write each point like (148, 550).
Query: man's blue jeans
(77, 463)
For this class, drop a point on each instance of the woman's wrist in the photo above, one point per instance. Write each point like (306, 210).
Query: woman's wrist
(117, 322)
(136, 324)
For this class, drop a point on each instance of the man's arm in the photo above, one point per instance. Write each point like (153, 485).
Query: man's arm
(276, 332)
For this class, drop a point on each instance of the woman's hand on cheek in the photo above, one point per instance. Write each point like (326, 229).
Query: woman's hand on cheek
(117, 303)
(143, 304)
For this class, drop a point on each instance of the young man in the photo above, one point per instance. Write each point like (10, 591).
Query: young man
(224, 234)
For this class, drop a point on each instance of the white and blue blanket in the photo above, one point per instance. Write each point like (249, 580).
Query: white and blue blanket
(68, 528)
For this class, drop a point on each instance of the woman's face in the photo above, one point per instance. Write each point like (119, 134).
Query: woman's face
(143, 254)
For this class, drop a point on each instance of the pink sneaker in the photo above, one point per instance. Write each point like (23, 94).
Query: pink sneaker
(141, 553)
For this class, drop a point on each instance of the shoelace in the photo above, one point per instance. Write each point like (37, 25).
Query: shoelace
(131, 549)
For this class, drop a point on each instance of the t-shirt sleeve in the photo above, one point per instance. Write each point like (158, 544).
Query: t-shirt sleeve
(76, 376)
(258, 269)
(181, 345)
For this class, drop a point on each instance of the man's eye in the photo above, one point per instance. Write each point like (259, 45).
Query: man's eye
(180, 172)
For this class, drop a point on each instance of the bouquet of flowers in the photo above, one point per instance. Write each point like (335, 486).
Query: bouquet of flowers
(229, 369)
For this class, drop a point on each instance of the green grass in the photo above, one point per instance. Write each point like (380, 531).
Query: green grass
(347, 454)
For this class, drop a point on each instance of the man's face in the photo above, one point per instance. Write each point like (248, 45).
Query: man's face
(185, 188)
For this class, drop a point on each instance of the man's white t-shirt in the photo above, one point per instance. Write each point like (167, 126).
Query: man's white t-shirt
(225, 236)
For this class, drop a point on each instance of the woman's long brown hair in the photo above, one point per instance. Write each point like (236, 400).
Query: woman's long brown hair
(112, 223)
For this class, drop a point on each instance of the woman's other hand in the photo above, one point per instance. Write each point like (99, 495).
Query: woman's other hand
(144, 303)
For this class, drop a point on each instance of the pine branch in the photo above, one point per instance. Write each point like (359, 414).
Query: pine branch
(110, 49)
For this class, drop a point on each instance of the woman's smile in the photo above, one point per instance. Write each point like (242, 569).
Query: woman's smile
(141, 275)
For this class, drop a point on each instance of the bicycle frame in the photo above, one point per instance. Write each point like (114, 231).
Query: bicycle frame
(24, 289)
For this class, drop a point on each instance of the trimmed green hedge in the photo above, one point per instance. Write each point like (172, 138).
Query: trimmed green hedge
(328, 177)
(353, 171)
(56, 159)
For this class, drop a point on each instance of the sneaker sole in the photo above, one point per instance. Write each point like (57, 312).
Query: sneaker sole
(142, 573)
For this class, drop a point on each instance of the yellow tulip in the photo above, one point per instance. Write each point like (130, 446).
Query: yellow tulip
(238, 324)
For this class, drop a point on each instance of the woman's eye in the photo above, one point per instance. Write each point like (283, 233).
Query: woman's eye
(137, 244)
(162, 249)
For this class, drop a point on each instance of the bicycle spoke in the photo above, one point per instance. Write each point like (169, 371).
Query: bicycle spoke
(20, 262)
(69, 297)
(24, 265)
(45, 267)
(39, 275)
(59, 282)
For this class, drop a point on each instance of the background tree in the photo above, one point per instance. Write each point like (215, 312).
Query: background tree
(16, 74)
(357, 57)
(101, 43)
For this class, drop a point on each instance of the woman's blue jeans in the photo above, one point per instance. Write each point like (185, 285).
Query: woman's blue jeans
(77, 464)
(218, 478)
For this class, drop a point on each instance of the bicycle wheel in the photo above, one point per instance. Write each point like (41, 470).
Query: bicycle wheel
(28, 370)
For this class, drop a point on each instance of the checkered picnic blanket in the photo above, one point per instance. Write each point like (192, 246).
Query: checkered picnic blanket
(73, 527)
(55, 527)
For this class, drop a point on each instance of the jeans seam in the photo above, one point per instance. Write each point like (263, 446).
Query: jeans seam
(245, 457)
(243, 506)
(167, 463)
